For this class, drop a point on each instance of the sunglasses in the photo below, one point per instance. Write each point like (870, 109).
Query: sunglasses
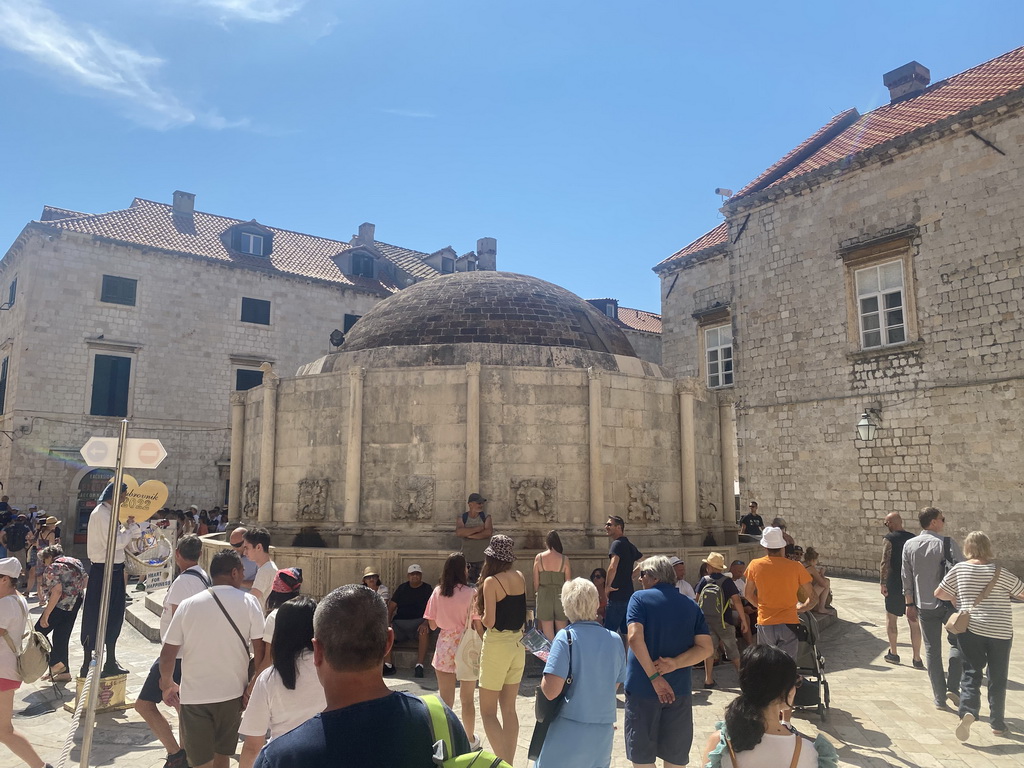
(238, 545)
(645, 574)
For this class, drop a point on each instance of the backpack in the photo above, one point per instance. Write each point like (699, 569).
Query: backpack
(34, 658)
(441, 732)
(712, 602)
(17, 537)
(483, 517)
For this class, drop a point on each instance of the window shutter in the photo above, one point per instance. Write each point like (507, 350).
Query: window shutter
(110, 382)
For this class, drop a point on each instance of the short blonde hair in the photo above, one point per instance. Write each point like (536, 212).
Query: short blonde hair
(579, 600)
(978, 546)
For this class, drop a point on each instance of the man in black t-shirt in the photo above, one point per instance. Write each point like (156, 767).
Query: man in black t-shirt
(619, 582)
(751, 523)
(405, 611)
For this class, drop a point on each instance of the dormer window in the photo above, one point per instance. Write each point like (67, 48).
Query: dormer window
(251, 238)
(471, 266)
(447, 265)
(251, 243)
(362, 265)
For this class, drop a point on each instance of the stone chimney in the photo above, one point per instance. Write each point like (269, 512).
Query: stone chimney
(184, 203)
(487, 254)
(906, 81)
(366, 233)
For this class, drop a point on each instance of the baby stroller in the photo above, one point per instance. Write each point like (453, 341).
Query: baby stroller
(813, 691)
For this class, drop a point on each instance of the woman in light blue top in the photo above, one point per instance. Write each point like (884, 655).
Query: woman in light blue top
(581, 735)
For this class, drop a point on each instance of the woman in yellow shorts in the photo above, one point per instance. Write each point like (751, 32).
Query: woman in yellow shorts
(502, 603)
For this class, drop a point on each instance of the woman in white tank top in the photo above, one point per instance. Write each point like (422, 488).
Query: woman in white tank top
(753, 734)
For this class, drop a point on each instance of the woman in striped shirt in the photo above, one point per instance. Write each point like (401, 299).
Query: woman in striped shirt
(989, 633)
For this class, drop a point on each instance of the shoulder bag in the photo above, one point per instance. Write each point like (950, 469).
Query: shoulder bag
(546, 710)
(467, 655)
(245, 643)
(957, 623)
(792, 764)
(34, 658)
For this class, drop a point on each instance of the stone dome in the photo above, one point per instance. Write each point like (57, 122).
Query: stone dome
(487, 308)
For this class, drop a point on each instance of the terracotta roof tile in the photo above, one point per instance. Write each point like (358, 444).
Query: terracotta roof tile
(849, 133)
(154, 225)
(50, 213)
(716, 236)
(639, 320)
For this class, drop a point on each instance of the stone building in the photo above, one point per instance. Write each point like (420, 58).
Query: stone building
(158, 312)
(642, 328)
(491, 382)
(876, 271)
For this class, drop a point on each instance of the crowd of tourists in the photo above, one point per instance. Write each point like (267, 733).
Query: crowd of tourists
(245, 655)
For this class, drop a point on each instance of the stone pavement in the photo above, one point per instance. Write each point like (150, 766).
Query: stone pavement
(881, 714)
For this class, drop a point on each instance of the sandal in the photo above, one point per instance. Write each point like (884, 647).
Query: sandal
(60, 677)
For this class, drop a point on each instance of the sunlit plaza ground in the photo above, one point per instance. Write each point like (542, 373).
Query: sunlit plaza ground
(881, 715)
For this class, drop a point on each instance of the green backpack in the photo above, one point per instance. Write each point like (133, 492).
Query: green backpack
(441, 732)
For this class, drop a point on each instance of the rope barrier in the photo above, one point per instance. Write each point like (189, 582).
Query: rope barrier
(69, 742)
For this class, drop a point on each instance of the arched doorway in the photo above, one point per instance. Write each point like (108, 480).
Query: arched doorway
(89, 489)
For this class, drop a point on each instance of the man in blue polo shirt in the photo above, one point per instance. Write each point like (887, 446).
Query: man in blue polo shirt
(667, 635)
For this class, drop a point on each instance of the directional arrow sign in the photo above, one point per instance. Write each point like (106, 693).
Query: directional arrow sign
(139, 452)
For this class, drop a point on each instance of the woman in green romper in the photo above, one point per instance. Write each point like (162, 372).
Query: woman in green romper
(550, 571)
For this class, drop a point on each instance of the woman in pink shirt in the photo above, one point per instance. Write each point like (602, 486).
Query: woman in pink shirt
(449, 608)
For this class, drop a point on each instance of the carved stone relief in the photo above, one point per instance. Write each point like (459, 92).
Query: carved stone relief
(534, 496)
(251, 501)
(313, 499)
(707, 510)
(643, 502)
(414, 498)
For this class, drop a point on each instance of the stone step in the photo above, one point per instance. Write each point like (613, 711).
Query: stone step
(139, 615)
(154, 600)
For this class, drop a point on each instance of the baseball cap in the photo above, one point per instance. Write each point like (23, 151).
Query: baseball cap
(476, 498)
(415, 568)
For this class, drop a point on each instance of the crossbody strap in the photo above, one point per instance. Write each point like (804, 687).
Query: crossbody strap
(988, 588)
(7, 635)
(568, 680)
(796, 751)
(199, 576)
(231, 621)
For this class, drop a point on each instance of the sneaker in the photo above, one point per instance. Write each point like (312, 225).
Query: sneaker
(418, 672)
(963, 731)
(954, 700)
(389, 669)
(177, 760)
(918, 664)
(1004, 731)
(475, 745)
(892, 658)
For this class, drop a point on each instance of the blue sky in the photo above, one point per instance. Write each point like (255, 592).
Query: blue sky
(587, 137)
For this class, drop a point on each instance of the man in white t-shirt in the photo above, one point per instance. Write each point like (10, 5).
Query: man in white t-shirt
(191, 581)
(257, 549)
(212, 631)
(684, 587)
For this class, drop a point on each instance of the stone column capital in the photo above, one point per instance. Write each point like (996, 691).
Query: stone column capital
(593, 373)
(726, 398)
(687, 386)
(473, 369)
(357, 373)
(237, 398)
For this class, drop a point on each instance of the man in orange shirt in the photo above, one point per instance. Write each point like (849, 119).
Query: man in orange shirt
(779, 589)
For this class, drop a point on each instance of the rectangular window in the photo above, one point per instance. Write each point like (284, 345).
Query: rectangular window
(12, 293)
(718, 354)
(880, 305)
(447, 265)
(247, 378)
(471, 266)
(362, 265)
(118, 290)
(111, 376)
(252, 243)
(255, 311)
(3, 384)
(350, 320)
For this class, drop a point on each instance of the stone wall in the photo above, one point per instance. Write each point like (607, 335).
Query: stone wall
(646, 345)
(950, 413)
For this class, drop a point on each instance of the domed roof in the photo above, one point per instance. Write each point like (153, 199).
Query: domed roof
(486, 307)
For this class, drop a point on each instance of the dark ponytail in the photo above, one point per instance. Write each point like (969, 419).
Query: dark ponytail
(767, 673)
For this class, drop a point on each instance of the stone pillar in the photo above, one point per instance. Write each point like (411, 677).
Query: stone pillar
(354, 453)
(687, 454)
(237, 441)
(597, 510)
(472, 428)
(270, 382)
(728, 463)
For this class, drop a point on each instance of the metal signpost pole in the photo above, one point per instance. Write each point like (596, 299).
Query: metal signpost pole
(99, 638)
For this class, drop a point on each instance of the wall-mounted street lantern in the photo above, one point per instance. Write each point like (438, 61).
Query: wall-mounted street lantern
(868, 424)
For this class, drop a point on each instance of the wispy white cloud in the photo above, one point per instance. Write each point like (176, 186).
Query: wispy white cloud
(408, 113)
(269, 11)
(85, 57)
